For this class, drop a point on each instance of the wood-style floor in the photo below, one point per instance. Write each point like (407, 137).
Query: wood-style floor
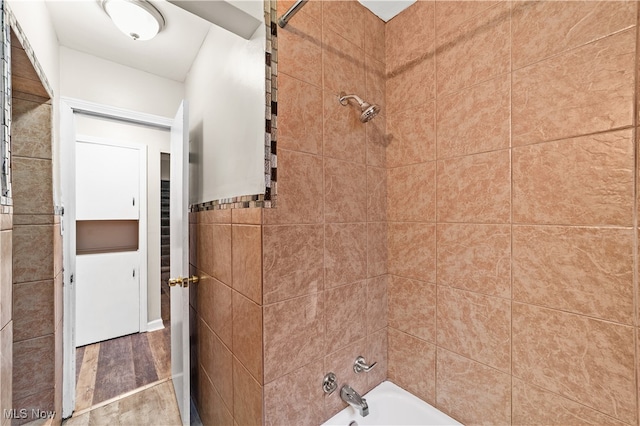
(108, 370)
(154, 406)
(114, 367)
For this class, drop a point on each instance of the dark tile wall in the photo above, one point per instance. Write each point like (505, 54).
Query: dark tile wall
(37, 261)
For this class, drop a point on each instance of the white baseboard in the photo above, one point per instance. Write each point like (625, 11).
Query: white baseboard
(155, 325)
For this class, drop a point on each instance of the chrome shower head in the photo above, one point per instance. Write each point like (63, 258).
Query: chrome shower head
(368, 111)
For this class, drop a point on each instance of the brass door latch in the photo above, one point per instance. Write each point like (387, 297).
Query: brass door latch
(183, 282)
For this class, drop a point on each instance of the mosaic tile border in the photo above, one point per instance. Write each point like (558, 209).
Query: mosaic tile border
(9, 22)
(242, 202)
(268, 199)
(5, 110)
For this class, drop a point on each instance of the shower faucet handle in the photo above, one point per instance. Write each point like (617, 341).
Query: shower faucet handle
(329, 383)
(360, 365)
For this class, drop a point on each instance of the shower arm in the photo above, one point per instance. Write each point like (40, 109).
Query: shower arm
(284, 19)
(344, 99)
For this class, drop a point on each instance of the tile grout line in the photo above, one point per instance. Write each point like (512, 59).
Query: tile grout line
(367, 132)
(435, 184)
(635, 212)
(511, 411)
(323, 88)
(526, 303)
(522, 146)
(574, 48)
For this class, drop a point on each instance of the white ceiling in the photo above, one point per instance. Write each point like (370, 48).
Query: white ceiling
(386, 9)
(83, 25)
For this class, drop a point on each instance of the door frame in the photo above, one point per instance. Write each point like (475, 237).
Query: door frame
(68, 108)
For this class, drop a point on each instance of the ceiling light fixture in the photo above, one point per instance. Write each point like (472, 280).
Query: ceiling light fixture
(138, 19)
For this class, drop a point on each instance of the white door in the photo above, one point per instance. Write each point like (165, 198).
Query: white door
(107, 182)
(107, 296)
(179, 228)
(107, 275)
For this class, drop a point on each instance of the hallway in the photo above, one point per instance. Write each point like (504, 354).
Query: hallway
(110, 369)
(127, 381)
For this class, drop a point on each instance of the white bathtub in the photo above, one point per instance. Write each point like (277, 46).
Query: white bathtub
(389, 404)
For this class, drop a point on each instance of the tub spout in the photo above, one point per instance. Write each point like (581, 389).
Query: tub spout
(353, 398)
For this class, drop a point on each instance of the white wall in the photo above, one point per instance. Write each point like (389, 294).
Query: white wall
(89, 78)
(226, 94)
(33, 17)
(254, 8)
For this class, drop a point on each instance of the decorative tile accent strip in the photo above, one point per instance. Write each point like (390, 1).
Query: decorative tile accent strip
(9, 22)
(5, 111)
(268, 199)
(242, 202)
(272, 103)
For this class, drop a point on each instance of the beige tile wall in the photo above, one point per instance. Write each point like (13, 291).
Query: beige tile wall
(324, 246)
(305, 285)
(512, 226)
(227, 365)
(499, 199)
(6, 323)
